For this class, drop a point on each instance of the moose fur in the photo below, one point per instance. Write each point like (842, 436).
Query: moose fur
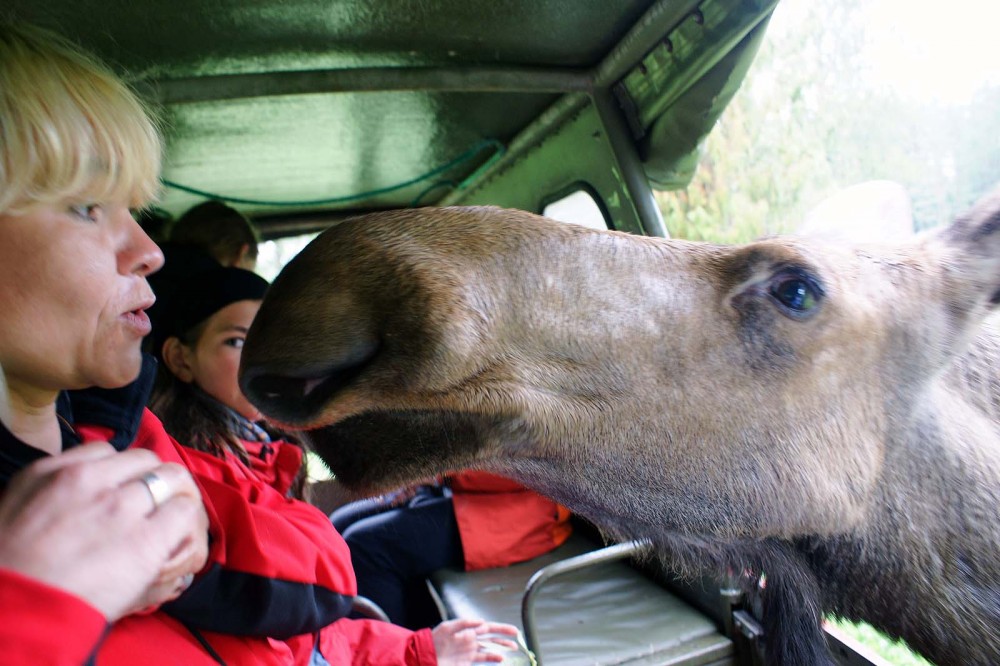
(823, 414)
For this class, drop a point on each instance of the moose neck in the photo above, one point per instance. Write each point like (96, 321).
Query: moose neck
(920, 555)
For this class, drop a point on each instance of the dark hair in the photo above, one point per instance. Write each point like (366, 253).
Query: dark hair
(217, 229)
(198, 421)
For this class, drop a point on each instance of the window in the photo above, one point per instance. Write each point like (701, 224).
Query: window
(577, 208)
(273, 255)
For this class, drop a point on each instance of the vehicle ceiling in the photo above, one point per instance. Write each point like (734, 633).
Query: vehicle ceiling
(306, 108)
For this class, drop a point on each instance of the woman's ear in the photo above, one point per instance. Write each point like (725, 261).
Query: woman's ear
(175, 355)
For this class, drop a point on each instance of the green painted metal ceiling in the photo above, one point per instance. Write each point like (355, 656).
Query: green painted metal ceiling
(320, 102)
(158, 38)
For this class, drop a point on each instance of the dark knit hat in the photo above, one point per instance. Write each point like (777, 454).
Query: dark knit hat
(197, 297)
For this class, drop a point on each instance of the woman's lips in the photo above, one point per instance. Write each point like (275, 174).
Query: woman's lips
(138, 321)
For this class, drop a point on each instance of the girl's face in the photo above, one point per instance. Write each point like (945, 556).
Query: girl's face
(73, 295)
(215, 359)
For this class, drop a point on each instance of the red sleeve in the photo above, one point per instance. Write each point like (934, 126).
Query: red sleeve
(39, 623)
(364, 642)
(276, 566)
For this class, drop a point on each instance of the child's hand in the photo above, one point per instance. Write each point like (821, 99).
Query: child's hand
(457, 642)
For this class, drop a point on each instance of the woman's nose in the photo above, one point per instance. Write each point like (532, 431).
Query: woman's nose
(140, 255)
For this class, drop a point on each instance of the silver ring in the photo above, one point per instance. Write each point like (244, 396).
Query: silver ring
(159, 490)
(184, 582)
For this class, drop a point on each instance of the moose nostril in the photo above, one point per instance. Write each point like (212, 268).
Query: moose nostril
(295, 399)
(270, 388)
(298, 397)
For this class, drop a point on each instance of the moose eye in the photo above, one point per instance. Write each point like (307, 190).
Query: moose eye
(796, 293)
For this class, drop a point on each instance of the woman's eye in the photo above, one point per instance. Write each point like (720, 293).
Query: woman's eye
(86, 211)
(235, 342)
(797, 293)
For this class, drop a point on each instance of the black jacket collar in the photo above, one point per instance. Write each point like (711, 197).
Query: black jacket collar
(118, 409)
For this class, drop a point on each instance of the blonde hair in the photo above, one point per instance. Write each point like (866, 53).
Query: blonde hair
(70, 129)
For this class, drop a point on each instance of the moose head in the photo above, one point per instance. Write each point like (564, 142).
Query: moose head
(821, 412)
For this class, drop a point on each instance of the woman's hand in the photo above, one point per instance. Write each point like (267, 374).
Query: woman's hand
(459, 642)
(85, 522)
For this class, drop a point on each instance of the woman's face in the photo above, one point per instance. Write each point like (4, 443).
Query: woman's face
(73, 293)
(215, 360)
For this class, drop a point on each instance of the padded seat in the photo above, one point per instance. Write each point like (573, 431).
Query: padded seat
(605, 614)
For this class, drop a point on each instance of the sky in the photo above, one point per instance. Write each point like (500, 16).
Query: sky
(942, 51)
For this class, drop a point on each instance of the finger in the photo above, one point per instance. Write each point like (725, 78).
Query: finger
(186, 517)
(196, 546)
(499, 639)
(77, 476)
(464, 623)
(111, 467)
(160, 593)
(497, 628)
(190, 557)
(77, 454)
(161, 533)
(171, 527)
(111, 470)
(492, 657)
(156, 486)
(180, 480)
(37, 473)
(145, 494)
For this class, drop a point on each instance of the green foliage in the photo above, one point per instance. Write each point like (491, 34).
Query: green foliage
(894, 652)
(811, 118)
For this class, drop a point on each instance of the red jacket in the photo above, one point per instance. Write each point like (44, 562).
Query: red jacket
(501, 522)
(276, 569)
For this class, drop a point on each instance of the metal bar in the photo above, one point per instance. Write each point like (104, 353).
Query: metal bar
(634, 175)
(545, 574)
(542, 127)
(644, 35)
(707, 39)
(849, 652)
(278, 225)
(751, 633)
(369, 79)
(367, 608)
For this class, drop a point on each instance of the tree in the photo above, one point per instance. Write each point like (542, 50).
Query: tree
(812, 117)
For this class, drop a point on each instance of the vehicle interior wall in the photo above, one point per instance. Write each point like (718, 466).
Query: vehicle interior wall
(567, 145)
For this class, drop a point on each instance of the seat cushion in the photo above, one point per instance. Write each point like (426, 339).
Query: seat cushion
(605, 614)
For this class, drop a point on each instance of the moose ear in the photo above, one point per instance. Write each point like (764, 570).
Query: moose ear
(974, 241)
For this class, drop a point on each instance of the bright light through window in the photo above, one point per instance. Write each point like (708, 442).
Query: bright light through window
(577, 208)
(273, 255)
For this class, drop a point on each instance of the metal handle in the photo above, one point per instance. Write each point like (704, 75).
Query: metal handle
(545, 574)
